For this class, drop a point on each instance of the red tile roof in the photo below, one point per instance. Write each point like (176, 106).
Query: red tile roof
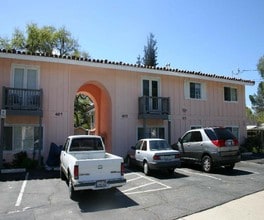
(127, 64)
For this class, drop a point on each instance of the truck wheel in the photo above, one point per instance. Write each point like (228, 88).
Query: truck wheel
(71, 189)
(207, 164)
(146, 168)
(62, 175)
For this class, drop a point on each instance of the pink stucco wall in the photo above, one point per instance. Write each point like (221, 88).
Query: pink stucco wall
(115, 92)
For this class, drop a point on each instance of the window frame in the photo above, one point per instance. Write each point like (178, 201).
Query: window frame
(22, 148)
(26, 69)
(231, 95)
(235, 133)
(159, 129)
(187, 90)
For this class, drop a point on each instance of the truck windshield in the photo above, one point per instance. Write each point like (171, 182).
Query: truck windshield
(86, 144)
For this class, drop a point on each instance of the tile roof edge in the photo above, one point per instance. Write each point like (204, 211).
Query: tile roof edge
(120, 63)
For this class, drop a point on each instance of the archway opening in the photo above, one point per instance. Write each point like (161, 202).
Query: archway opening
(93, 100)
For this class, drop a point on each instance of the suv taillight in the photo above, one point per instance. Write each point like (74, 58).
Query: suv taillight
(219, 143)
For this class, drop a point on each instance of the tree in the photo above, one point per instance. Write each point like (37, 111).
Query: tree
(257, 100)
(150, 52)
(46, 39)
(82, 105)
(260, 66)
(64, 42)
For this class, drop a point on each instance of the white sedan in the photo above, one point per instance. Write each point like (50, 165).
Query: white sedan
(153, 154)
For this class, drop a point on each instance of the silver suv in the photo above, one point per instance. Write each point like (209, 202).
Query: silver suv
(210, 147)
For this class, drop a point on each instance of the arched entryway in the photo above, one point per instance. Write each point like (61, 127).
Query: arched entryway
(103, 110)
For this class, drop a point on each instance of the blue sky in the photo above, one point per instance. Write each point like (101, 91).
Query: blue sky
(211, 36)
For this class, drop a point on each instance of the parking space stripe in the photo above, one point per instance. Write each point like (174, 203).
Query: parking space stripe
(151, 182)
(19, 198)
(199, 174)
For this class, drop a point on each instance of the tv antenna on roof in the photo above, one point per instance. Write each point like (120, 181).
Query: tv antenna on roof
(241, 71)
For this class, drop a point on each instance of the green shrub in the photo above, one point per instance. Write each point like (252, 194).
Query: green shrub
(21, 160)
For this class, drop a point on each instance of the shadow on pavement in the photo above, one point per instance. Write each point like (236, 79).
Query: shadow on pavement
(93, 201)
(33, 174)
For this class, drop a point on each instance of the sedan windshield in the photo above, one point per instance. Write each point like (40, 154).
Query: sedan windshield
(159, 145)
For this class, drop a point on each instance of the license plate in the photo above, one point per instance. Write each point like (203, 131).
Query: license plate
(229, 143)
(100, 183)
(170, 157)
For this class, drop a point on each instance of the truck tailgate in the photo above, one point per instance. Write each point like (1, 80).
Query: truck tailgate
(99, 169)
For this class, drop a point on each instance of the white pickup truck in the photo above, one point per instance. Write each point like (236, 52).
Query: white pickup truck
(86, 165)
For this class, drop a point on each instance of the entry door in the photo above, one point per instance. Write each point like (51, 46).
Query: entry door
(151, 90)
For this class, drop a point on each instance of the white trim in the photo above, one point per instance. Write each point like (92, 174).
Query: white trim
(209, 77)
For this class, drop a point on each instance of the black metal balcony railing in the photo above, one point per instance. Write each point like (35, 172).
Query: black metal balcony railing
(154, 107)
(22, 101)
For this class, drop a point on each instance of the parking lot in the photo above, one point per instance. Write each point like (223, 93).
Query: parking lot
(42, 195)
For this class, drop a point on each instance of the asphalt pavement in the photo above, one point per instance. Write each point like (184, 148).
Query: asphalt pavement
(245, 208)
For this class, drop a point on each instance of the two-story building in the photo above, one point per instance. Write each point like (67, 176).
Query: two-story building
(131, 102)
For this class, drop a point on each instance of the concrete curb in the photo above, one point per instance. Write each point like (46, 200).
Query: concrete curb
(18, 170)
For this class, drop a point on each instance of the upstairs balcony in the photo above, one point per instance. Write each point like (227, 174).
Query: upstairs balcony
(22, 101)
(153, 107)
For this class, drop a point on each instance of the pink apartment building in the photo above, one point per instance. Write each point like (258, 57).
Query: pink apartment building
(131, 102)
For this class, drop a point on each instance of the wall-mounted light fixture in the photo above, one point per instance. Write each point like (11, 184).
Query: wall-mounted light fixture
(58, 113)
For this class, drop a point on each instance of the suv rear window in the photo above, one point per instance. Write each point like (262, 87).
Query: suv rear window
(219, 134)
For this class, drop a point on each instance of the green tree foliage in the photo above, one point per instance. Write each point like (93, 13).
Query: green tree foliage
(46, 39)
(257, 100)
(260, 66)
(150, 52)
(82, 105)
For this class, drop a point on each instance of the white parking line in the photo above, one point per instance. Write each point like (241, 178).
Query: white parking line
(200, 174)
(19, 198)
(151, 182)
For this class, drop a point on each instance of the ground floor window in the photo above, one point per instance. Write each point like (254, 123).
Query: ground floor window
(234, 130)
(153, 132)
(21, 137)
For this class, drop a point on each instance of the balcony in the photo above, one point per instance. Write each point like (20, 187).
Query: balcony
(22, 101)
(153, 107)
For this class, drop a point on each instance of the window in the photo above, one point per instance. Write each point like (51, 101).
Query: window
(234, 130)
(21, 137)
(193, 136)
(230, 94)
(144, 146)
(151, 133)
(25, 77)
(195, 90)
(151, 88)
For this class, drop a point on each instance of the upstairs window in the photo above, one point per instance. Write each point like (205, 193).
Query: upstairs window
(195, 90)
(25, 77)
(230, 94)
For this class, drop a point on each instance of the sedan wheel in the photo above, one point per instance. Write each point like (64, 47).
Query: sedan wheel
(207, 164)
(146, 168)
